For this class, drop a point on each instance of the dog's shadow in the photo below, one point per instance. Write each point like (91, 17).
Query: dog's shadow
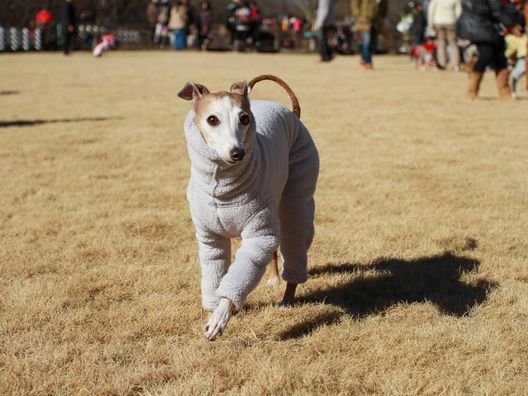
(373, 288)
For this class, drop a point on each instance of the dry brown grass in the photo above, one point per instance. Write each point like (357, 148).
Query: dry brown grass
(419, 267)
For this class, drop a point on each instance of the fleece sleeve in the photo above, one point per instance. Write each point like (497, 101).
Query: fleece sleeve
(260, 238)
(215, 256)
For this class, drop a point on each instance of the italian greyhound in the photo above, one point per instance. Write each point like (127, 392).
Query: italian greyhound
(254, 170)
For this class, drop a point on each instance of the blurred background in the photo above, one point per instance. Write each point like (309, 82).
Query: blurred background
(133, 16)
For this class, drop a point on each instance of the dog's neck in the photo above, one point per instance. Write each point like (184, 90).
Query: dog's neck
(214, 177)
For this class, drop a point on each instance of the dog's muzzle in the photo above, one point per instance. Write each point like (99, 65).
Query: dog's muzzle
(237, 154)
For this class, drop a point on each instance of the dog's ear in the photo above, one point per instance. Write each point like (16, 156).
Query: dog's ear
(240, 88)
(192, 91)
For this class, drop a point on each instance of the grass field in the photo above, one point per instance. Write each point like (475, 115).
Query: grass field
(419, 276)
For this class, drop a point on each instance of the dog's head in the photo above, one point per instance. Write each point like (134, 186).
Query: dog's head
(223, 118)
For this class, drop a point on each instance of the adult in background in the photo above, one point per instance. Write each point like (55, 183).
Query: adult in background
(231, 19)
(365, 13)
(419, 24)
(44, 21)
(151, 15)
(242, 18)
(324, 24)
(525, 8)
(479, 24)
(255, 21)
(178, 25)
(205, 19)
(191, 15)
(68, 24)
(442, 15)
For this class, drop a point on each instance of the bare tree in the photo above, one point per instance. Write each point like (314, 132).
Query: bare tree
(308, 8)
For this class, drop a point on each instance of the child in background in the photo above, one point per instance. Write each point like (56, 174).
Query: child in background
(516, 51)
(107, 41)
(425, 54)
(193, 41)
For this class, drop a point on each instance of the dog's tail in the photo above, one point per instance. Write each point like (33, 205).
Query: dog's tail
(296, 109)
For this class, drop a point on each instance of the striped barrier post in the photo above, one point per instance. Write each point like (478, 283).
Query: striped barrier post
(38, 39)
(2, 39)
(14, 39)
(26, 43)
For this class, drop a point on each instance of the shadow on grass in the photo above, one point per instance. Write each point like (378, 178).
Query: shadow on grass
(22, 123)
(6, 93)
(378, 286)
(496, 99)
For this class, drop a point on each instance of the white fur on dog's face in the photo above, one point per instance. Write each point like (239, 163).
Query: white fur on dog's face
(223, 118)
(224, 123)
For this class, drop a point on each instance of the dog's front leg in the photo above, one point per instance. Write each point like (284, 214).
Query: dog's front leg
(215, 257)
(242, 277)
(248, 268)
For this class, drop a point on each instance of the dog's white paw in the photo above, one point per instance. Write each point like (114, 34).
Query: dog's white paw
(219, 319)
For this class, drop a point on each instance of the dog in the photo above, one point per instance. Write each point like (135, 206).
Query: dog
(254, 170)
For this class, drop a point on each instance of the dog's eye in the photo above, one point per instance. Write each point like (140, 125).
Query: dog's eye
(213, 120)
(244, 119)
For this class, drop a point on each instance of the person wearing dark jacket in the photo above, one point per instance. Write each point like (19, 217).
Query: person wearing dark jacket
(480, 24)
(419, 24)
(68, 24)
(325, 24)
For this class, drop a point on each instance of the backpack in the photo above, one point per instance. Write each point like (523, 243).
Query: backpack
(476, 23)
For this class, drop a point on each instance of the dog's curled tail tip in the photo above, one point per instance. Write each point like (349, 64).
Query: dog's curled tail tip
(296, 108)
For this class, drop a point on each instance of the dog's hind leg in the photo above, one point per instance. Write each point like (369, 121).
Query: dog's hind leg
(296, 217)
(297, 230)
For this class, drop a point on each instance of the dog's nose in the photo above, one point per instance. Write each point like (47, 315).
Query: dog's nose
(237, 154)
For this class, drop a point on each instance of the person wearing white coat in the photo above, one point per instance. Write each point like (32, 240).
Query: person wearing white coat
(442, 15)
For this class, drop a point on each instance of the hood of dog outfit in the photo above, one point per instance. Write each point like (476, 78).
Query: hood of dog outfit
(212, 176)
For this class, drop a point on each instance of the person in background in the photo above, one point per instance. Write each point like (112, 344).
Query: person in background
(516, 44)
(161, 32)
(178, 25)
(231, 19)
(242, 17)
(68, 24)
(425, 54)
(87, 17)
(254, 22)
(325, 22)
(44, 21)
(296, 24)
(365, 12)
(479, 24)
(205, 19)
(442, 15)
(419, 24)
(191, 16)
(193, 37)
(151, 15)
(108, 41)
(525, 10)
